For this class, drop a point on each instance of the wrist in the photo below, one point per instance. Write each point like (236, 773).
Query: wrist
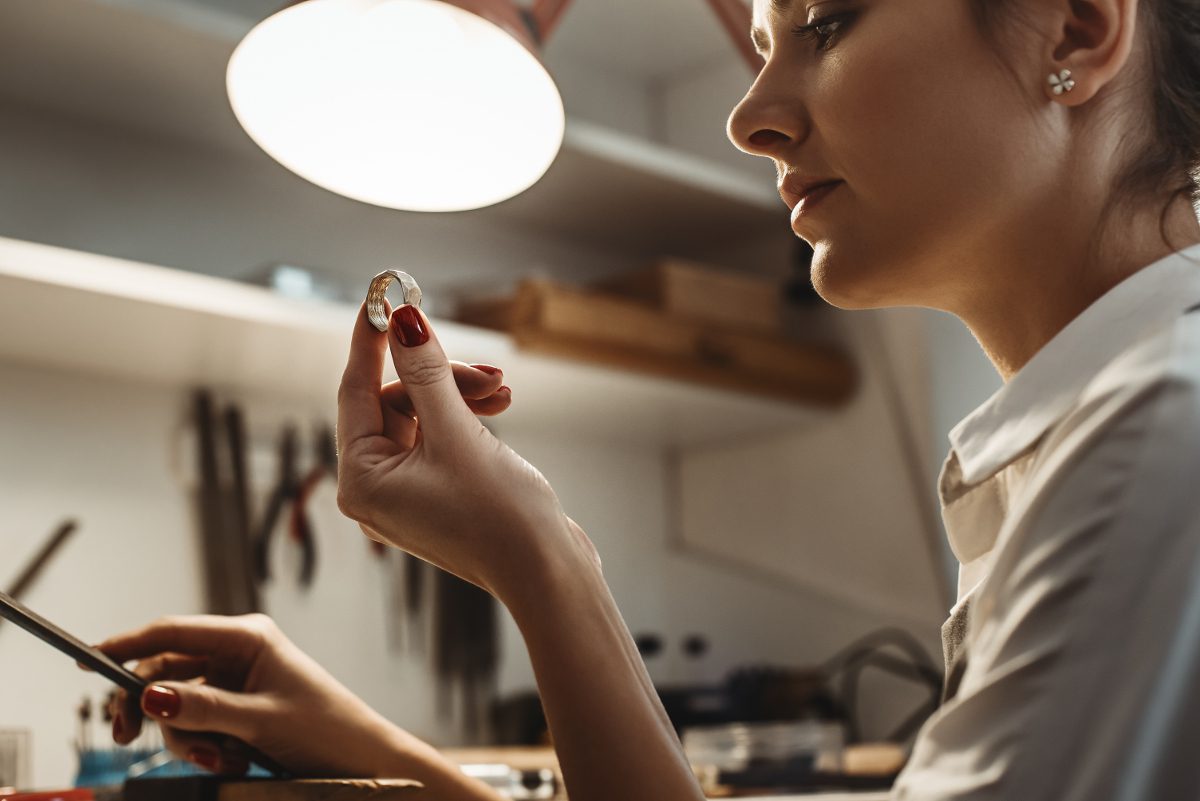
(563, 561)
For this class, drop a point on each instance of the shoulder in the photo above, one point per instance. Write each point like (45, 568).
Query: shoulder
(1145, 401)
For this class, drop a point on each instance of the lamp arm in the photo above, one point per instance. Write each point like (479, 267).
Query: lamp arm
(544, 17)
(736, 18)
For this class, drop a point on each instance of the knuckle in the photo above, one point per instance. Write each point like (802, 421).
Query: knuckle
(202, 706)
(169, 626)
(262, 628)
(345, 389)
(260, 623)
(424, 372)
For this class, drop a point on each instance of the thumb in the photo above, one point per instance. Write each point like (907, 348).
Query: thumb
(425, 372)
(202, 707)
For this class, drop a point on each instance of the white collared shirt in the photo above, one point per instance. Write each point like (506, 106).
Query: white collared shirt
(1072, 501)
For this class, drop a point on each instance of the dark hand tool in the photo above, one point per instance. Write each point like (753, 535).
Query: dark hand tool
(239, 496)
(43, 557)
(288, 490)
(213, 527)
(97, 660)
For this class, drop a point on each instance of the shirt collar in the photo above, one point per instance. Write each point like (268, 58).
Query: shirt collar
(1042, 391)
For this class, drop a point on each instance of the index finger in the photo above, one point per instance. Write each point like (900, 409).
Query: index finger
(359, 412)
(199, 635)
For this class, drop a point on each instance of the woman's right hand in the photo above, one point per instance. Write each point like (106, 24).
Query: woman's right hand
(242, 677)
(431, 479)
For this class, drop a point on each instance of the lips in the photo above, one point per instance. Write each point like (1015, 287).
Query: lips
(793, 188)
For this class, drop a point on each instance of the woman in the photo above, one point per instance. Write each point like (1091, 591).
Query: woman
(1027, 165)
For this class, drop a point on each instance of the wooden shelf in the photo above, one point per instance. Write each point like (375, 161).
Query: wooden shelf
(98, 315)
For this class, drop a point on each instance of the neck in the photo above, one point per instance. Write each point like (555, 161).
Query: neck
(1057, 275)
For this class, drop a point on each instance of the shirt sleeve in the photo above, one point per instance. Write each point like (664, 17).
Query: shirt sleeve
(1082, 680)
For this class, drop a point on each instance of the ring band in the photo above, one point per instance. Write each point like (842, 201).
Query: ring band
(377, 293)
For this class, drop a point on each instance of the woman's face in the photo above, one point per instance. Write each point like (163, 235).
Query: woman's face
(938, 147)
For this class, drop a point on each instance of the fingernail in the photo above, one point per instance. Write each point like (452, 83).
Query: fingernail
(410, 326)
(161, 701)
(505, 388)
(487, 368)
(205, 758)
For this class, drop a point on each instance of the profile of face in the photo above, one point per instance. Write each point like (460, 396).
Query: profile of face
(942, 155)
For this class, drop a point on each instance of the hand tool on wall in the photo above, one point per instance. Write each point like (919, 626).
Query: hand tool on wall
(466, 643)
(298, 524)
(83, 743)
(406, 624)
(42, 558)
(240, 515)
(214, 531)
(286, 491)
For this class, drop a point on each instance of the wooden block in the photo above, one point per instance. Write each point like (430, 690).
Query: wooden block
(873, 759)
(322, 790)
(519, 757)
(704, 293)
(585, 325)
(214, 788)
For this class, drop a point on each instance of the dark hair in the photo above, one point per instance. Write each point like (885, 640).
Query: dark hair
(1167, 157)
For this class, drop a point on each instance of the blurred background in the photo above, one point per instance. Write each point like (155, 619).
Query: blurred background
(756, 469)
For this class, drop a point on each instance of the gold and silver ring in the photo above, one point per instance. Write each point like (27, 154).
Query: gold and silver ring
(377, 294)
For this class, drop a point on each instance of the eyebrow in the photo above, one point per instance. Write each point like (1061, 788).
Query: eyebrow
(758, 35)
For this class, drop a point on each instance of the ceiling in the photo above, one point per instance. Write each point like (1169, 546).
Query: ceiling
(168, 56)
(638, 39)
(157, 67)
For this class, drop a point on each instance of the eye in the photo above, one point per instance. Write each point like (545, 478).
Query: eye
(823, 30)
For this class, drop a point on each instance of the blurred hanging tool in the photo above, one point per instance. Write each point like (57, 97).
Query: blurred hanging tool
(38, 564)
(414, 585)
(406, 625)
(239, 508)
(225, 565)
(83, 743)
(298, 525)
(286, 491)
(466, 647)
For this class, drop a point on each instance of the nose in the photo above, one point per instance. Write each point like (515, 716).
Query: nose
(766, 122)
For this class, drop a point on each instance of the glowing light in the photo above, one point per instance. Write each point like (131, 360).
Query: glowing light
(408, 104)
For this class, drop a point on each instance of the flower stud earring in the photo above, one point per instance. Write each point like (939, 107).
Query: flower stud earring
(1061, 82)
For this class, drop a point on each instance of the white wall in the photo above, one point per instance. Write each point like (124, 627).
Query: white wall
(115, 455)
(961, 378)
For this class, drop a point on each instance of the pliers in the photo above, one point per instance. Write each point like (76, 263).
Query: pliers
(289, 490)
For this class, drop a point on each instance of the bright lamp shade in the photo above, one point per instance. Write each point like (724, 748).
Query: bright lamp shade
(407, 104)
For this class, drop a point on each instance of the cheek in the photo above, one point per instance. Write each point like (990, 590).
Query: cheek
(897, 122)
(922, 134)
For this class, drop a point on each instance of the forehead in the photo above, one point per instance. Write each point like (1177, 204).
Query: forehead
(761, 13)
(761, 8)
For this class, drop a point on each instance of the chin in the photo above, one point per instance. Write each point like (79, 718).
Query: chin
(847, 283)
(857, 281)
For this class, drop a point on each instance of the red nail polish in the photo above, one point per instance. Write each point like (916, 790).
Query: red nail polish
(161, 701)
(204, 758)
(487, 368)
(410, 326)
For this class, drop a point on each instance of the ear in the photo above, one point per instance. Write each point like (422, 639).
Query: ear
(1093, 39)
